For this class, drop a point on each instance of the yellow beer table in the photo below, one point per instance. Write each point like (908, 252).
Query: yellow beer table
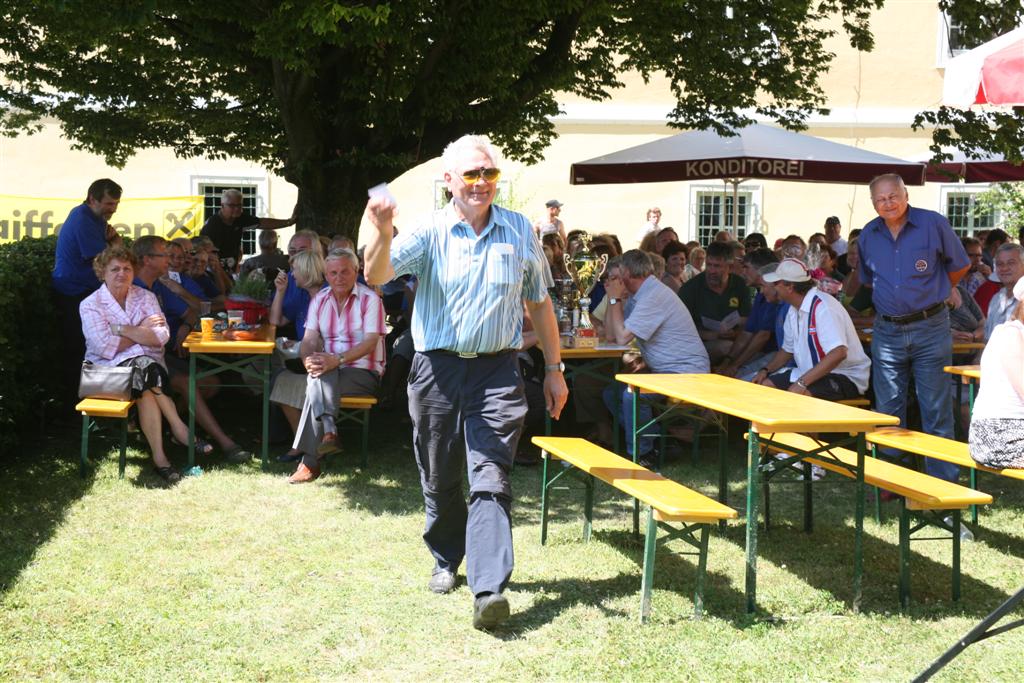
(213, 350)
(958, 347)
(768, 411)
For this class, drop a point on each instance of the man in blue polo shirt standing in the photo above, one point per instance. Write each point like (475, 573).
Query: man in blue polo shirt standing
(84, 234)
(911, 258)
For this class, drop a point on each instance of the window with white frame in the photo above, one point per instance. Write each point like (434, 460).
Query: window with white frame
(212, 192)
(952, 41)
(712, 210)
(965, 215)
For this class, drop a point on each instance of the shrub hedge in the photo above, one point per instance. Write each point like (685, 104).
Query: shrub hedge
(30, 341)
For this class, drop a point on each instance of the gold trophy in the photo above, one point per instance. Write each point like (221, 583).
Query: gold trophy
(585, 268)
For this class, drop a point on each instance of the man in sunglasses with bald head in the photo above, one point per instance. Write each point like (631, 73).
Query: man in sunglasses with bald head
(477, 265)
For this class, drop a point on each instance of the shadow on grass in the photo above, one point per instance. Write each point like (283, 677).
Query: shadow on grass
(824, 559)
(672, 573)
(38, 485)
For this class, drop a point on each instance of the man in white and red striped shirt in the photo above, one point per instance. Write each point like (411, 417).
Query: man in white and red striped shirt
(343, 351)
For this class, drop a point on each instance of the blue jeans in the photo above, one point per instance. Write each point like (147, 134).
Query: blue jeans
(919, 349)
(617, 397)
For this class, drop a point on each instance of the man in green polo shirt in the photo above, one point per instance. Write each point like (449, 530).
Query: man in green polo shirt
(719, 301)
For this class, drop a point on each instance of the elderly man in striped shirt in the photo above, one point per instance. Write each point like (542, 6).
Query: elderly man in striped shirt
(343, 352)
(477, 265)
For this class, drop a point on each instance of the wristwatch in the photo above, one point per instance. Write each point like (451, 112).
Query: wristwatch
(612, 301)
(555, 367)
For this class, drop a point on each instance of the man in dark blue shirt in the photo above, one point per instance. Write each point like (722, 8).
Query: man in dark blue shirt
(911, 258)
(85, 233)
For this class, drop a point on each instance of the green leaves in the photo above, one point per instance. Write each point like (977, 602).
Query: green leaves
(338, 95)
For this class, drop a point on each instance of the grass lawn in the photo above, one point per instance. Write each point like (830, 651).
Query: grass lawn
(237, 575)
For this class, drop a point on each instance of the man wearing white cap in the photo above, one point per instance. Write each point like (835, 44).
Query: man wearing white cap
(552, 223)
(819, 335)
(1009, 268)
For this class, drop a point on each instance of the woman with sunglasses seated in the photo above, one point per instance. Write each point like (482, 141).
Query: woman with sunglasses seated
(997, 424)
(124, 326)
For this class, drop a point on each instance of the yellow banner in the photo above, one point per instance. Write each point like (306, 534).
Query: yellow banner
(168, 217)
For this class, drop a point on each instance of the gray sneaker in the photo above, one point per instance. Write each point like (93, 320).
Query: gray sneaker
(489, 611)
(443, 581)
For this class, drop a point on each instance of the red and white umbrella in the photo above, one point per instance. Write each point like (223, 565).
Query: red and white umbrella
(992, 73)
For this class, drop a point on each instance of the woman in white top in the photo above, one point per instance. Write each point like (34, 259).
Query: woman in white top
(997, 425)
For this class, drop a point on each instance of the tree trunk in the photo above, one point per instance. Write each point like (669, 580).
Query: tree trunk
(330, 203)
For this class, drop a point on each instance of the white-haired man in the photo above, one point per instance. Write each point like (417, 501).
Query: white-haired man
(477, 264)
(911, 258)
(343, 351)
(226, 227)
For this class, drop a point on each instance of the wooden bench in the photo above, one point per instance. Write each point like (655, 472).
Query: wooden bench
(940, 448)
(667, 501)
(357, 409)
(92, 408)
(924, 498)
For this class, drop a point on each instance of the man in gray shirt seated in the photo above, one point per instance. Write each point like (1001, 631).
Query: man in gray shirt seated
(641, 308)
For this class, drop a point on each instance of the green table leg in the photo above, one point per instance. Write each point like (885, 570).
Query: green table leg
(266, 416)
(956, 555)
(904, 556)
(191, 410)
(958, 428)
(858, 544)
(753, 482)
(878, 491)
(635, 407)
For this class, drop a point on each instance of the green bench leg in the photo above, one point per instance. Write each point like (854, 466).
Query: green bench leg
(122, 460)
(878, 491)
(366, 438)
(702, 567)
(650, 549)
(904, 582)
(84, 463)
(808, 497)
(588, 507)
(544, 498)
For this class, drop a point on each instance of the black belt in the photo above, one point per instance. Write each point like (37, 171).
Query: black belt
(929, 312)
(465, 354)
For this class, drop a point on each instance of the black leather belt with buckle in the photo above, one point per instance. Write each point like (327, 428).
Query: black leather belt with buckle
(929, 312)
(470, 354)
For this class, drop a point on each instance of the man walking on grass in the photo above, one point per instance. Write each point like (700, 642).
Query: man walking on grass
(477, 265)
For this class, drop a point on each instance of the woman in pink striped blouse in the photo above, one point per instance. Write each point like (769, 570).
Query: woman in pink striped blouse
(123, 325)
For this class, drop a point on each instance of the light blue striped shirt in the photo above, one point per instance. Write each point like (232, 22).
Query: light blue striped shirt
(471, 288)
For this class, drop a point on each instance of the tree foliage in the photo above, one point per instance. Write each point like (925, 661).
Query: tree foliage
(337, 96)
(1008, 200)
(979, 133)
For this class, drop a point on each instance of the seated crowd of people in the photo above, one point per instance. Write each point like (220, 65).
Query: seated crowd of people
(786, 317)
